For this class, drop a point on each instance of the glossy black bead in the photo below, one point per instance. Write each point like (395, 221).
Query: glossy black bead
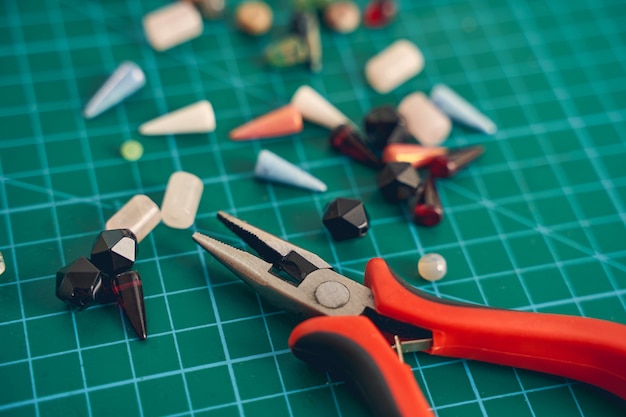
(384, 125)
(346, 218)
(80, 284)
(115, 251)
(398, 181)
(128, 289)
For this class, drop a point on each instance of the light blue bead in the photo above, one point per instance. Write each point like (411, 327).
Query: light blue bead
(272, 167)
(459, 110)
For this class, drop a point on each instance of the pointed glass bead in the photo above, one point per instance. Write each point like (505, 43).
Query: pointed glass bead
(316, 109)
(271, 167)
(128, 290)
(425, 205)
(379, 13)
(3, 266)
(348, 141)
(447, 165)
(286, 120)
(459, 110)
(125, 80)
(194, 118)
(80, 283)
(417, 155)
(384, 125)
(114, 251)
(346, 218)
(306, 25)
(398, 181)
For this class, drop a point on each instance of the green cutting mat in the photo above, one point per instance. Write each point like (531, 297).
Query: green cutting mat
(538, 224)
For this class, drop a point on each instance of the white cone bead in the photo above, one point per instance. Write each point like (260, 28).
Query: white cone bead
(459, 110)
(140, 214)
(271, 167)
(194, 118)
(396, 64)
(181, 200)
(125, 80)
(172, 25)
(316, 109)
(424, 121)
(432, 267)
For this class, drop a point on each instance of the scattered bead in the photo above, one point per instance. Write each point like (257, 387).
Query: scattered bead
(384, 125)
(425, 205)
(346, 218)
(128, 290)
(79, 284)
(432, 267)
(114, 251)
(3, 266)
(307, 26)
(348, 141)
(286, 120)
(194, 118)
(254, 17)
(287, 52)
(131, 150)
(424, 121)
(211, 9)
(172, 25)
(271, 167)
(342, 16)
(317, 109)
(181, 200)
(140, 215)
(445, 166)
(379, 13)
(398, 181)
(459, 110)
(393, 66)
(125, 80)
(419, 156)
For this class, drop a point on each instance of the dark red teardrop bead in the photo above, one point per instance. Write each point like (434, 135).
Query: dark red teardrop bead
(379, 13)
(426, 205)
(446, 166)
(346, 139)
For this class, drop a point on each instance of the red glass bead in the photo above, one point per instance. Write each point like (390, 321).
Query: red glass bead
(379, 13)
(129, 292)
(426, 206)
(445, 166)
(347, 140)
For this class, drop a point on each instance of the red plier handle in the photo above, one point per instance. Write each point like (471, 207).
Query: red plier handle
(585, 349)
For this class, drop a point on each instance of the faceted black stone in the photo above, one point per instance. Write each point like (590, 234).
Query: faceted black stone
(346, 218)
(80, 284)
(114, 251)
(347, 140)
(398, 181)
(129, 292)
(384, 125)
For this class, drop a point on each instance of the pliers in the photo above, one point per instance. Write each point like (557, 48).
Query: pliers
(355, 324)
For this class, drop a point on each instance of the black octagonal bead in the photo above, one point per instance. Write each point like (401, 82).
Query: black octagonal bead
(398, 181)
(115, 251)
(80, 283)
(346, 218)
(384, 125)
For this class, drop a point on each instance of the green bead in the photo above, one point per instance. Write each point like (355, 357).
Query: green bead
(131, 150)
(287, 52)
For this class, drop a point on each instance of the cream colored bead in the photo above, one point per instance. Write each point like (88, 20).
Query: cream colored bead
(396, 64)
(140, 214)
(342, 16)
(181, 200)
(424, 120)
(172, 25)
(432, 267)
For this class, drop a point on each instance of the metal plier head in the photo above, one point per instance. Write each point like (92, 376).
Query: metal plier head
(287, 275)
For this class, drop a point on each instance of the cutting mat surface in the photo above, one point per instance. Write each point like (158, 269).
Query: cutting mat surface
(536, 225)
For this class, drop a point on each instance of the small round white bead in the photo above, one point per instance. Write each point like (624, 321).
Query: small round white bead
(432, 267)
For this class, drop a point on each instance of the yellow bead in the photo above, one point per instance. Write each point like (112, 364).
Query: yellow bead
(131, 150)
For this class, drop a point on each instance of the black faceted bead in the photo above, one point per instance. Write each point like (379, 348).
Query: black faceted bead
(398, 181)
(80, 284)
(384, 125)
(115, 251)
(346, 218)
(128, 289)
